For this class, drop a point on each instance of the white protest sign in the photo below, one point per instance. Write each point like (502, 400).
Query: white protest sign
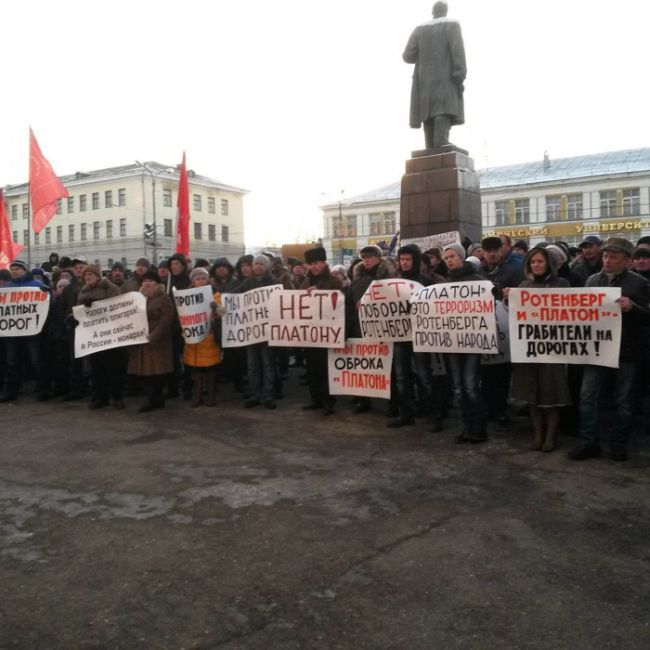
(384, 310)
(503, 356)
(360, 368)
(111, 323)
(246, 316)
(309, 319)
(455, 317)
(433, 241)
(565, 325)
(23, 311)
(194, 312)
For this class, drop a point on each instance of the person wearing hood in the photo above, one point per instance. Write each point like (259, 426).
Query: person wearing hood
(19, 347)
(244, 269)
(40, 275)
(117, 276)
(466, 368)
(53, 261)
(260, 357)
(223, 276)
(142, 265)
(371, 266)
(151, 362)
(107, 367)
(318, 277)
(179, 278)
(543, 386)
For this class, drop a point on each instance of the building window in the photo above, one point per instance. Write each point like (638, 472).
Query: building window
(121, 197)
(48, 235)
(59, 206)
(167, 226)
(197, 202)
(109, 228)
(631, 202)
(108, 198)
(381, 223)
(167, 198)
(608, 203)
(95, 200)
(70, 204)
(212, 207)
(198, 231)
(71, 232)
(59, 234)
(124, 261)
(14, 213)
(26, 237)
(83, 231)
(37, 239)
(109, 262)
(225, 235)
(96, 230)
(82, 203)
(337, 226)
(553, 208)
(522, 211)
(212, 232)
(14, 236)
(96, 262)
(501, 212)
(224, 207)
(25, 210)
(574, 207)
(122, 227)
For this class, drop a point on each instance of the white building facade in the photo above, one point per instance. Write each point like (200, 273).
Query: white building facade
(105, 216)
(604, 194)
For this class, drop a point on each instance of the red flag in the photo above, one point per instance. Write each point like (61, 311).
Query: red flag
(183, 222)
(45, 188)
(8, 250)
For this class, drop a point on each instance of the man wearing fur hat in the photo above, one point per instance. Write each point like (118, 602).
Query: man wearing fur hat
(107, 367)
(634, 302)
(372, 267)
(318, 277)
(17, 347)
(262, 379)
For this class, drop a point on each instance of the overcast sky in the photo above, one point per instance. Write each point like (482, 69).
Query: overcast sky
(296, 100)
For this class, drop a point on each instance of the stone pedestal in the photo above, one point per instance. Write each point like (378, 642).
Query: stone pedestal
(440, 193)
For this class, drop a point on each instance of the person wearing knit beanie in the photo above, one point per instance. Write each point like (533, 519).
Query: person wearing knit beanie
(458, 249)
(199, 271)
(94, 270)
(263, 260)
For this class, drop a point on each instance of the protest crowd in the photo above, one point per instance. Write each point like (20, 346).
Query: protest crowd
(437, 346)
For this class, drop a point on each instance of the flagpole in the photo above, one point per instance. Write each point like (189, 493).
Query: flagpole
(29, 226)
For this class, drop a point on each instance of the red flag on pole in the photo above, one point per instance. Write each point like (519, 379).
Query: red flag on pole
(8, 249)
(183, 222)
(45, 188)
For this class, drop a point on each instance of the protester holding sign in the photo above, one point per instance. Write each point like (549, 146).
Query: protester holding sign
(262, 380)
(106, 366)
(543, 386)
(203, 357)
(152, 361)
(634, 303)
(19, 347)
(371, 267)
(318, 277)
(466, 368)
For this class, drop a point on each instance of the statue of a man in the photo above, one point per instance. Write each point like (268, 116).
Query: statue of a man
(436, 48)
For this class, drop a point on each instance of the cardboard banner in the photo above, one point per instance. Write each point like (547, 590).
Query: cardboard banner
(565, 325)
(360, 368)
(455, 317)
(307, 319)
(111, 323)
(245, 320)
(503, 330)
(433, 241)
(194, 312)
(384, 310)
(23, 311)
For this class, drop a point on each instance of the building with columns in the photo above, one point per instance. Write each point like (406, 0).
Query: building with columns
(606, 194)
(108, 211)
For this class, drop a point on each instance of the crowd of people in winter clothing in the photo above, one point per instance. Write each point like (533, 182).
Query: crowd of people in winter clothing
(167, 368)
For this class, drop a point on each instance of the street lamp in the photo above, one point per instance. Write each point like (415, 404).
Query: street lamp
(154, 239)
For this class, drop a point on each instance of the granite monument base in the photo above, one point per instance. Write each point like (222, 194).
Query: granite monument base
(440, 193)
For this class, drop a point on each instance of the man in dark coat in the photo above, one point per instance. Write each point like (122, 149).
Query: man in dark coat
(437, 50)
(592, 261)
(222, 275)
(635, 308)
(319, 277)
(179, 278)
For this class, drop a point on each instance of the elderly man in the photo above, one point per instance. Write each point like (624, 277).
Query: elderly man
(437, 50)
(634, 302)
